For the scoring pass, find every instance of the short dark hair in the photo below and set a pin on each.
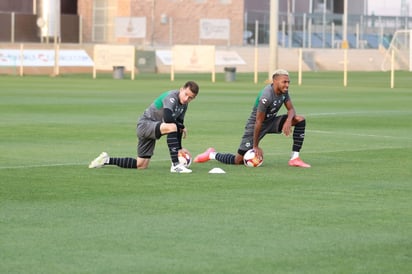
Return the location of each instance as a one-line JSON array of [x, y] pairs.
[[192, 86]]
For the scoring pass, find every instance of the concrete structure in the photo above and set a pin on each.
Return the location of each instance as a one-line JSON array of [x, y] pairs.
[[170, 22], [167, 21], [315, 60], [219, 22]]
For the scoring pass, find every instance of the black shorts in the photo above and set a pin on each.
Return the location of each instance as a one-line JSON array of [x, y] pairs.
[[148, 132], [274, 126]]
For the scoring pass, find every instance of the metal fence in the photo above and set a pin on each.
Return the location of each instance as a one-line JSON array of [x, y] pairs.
[[325, 30], [316, 30]]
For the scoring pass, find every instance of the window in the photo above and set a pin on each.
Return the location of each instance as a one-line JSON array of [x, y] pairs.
[[103, 17]]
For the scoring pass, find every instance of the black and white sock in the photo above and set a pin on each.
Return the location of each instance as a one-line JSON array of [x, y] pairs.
[[225, 158], [298, 135], [123, 162], [174, 146]]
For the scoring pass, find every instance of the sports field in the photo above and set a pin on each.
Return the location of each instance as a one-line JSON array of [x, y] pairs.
[[350, 213]]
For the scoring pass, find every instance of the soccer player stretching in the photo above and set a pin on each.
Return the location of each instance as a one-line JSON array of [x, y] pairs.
[[165, 116], [264, 120]]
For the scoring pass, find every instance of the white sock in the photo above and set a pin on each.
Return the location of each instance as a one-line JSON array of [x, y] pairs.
[[212, 155], [295, 155]]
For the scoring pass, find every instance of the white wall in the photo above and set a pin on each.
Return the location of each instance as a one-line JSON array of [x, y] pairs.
[[387, 7]]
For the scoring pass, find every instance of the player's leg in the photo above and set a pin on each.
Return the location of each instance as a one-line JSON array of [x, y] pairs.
[[145, 149], [208, 154], [174, 140], [146, 133], [100, 160], [104, 159], [245, 144], [142, 163], [299, 123], [228, 158], [225, 158], [124, 162]]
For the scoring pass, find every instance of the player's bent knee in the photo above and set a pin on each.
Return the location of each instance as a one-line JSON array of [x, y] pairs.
[[298, 119], [238, 159], [166, 128], [142, 163]]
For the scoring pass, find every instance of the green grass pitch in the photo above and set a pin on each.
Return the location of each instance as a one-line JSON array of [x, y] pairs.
[[350, 213]]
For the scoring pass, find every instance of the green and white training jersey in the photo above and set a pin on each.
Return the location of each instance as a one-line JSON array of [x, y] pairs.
[[169, 100], [269, 103]]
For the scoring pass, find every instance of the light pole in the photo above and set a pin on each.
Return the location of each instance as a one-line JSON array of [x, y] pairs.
[[345, 42], [273, 39]]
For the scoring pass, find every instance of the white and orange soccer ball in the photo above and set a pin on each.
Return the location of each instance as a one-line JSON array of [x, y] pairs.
[[251, 160], [185, 157]]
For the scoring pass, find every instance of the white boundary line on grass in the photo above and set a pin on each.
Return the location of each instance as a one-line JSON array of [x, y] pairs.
[[356, 113], [360, 134], [43, 165], [66, 164]]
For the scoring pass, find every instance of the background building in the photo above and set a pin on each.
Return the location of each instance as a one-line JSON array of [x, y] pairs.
[[162, 23]]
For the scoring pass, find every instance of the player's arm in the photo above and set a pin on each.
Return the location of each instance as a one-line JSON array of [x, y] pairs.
[[180, 123], [181, 126], [286, 129], [168, 118], [260, 117], [169, 104]]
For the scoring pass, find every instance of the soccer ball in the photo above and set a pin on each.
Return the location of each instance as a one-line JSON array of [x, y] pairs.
[[185, 157], [250, 159]]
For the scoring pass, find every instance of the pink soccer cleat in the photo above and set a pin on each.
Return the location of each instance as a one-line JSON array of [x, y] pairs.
[[298, 163], [204, 157]]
